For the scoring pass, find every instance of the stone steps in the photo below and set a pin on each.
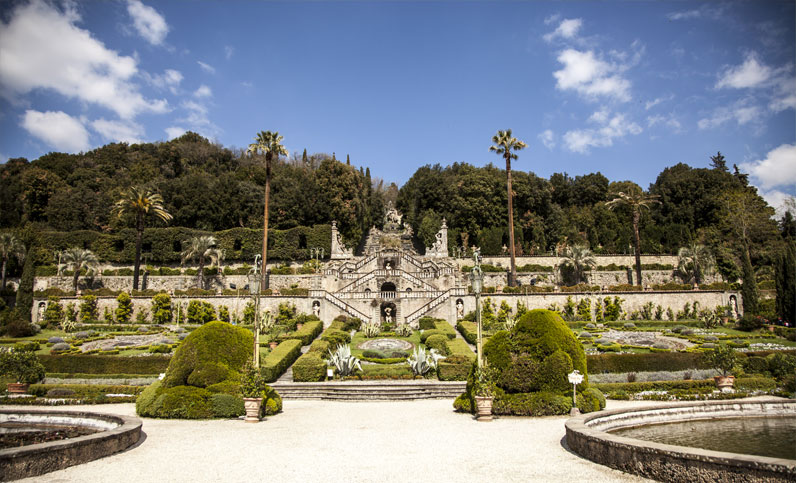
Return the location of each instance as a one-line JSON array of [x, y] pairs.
[[370, 391]]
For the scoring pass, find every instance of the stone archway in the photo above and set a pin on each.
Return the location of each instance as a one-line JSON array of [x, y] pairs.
[[388, 290]]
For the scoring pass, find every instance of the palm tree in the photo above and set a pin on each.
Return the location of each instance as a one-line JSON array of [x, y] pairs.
[[504, 145], [10, 246], [78, 259], [202, 247], [636, 200], [694, 262], [140, 203], [579, 259], [269, 144]]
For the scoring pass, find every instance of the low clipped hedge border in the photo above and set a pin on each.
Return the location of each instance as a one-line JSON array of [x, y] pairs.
[[469, 330], [310, 367], [308, 333], [92, 364], [279, 359], [85, 390], [741, 383], [656, 361]]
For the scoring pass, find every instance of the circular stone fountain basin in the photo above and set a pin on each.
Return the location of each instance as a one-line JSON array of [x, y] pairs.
[[108, 434], [591, 437], [385, 345]]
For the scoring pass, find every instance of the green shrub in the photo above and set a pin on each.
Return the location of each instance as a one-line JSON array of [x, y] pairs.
[[226, 406], [454, 368], [590, 399], [464, 404], [279, 359], [460, 347], [310, 367], [663, 361], [429, 333], [161, 309], [386, 372], [781, 365], [215, 342], [426, 323], [225, 387], [520, 375], [497, 350], [755, 383], [308, 333], [183, 402], [104, 364], [440, 343], [336, 337], [208, 373], [469, 330], [552, 374], [531, 404], [445, 328]]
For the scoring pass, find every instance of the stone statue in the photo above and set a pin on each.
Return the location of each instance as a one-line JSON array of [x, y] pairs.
[[459, 309], [388, 314], [316, 309], [440, 246], [339, 250]]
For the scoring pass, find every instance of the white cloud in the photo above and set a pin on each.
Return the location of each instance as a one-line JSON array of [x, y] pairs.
[[119, 131], [749, 74], [197, 120], [58, 129], [567, 29], [591, 77], [741, 113], [174, 132], [610, 127], [206, 67], [685, 15], [203, 91], [41, 48], [777, 199], [650, 104], [706, 11], [669, 121], [784, 93], [547, 138], [170, 79], [228, 51], [777, 169], [148, 22]]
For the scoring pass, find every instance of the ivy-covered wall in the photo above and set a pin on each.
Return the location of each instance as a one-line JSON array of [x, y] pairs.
[[163, 245]]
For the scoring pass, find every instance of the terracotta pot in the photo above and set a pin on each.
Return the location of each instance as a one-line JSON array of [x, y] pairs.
[[17, 388], [724, 383], [483, 406], [252, 405], [273, 345]]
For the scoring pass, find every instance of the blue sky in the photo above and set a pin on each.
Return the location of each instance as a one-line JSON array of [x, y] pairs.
[[624, 88]]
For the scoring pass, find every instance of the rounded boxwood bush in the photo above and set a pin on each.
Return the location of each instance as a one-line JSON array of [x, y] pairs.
[[585, 335], [213, 344], [440, 343], [60, 347], [590, 399], [183, 402], [226, 406], [336, 337], [429, 333]]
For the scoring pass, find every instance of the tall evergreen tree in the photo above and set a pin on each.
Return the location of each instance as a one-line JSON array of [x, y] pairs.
[[786, 283], [719, 163], [749, 288]]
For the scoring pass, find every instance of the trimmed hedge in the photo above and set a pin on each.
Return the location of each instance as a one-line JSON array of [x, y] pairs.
[[119, 246], [278, 360], [658, 361], [460, 347], [469, 331], [401, 371], [445, 328], [531, 404], [90, 364], [440, 343], [85, 390], [310, 367], [308, 333], [633, 387]]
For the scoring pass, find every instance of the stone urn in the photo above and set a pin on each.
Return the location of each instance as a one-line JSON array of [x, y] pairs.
[[17, 388], [272, 345], [483, 405], [724, 383], [252, 405]]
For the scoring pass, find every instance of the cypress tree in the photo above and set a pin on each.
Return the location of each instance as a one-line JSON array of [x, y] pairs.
[[786, 283], [749, 288], [304, 158]]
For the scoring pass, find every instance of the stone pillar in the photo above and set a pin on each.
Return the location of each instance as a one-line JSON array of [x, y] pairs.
[[339, 250]]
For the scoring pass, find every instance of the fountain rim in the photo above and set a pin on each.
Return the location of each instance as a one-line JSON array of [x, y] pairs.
[[40, 458], [598, 445]]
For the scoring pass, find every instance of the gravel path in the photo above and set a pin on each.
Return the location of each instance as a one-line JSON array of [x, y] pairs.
[[343, 441]]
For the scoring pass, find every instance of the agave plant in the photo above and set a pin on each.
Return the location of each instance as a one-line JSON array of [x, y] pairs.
[[403, 330], [343, 361], [371, 329], [422, 362]]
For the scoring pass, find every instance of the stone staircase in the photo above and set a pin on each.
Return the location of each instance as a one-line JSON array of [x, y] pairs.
[[370, 390]]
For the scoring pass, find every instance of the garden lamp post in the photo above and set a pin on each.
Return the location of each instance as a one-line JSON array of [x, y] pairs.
[[575, 378], [254, 288], [317, 254], [477, 279]]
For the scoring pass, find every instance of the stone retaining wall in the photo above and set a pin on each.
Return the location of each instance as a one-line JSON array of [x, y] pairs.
[[587, 436]]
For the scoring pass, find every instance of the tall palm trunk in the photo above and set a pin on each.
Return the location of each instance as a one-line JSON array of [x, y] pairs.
[[513, 273], [200, 275], [3, 283], [637, 242], [74, 279], [263, 277], [139, 232]]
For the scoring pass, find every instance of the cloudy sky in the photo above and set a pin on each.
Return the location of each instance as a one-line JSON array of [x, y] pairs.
[[624, 88]]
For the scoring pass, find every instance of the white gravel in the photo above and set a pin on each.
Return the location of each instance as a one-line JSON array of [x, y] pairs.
[[347, 441]]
